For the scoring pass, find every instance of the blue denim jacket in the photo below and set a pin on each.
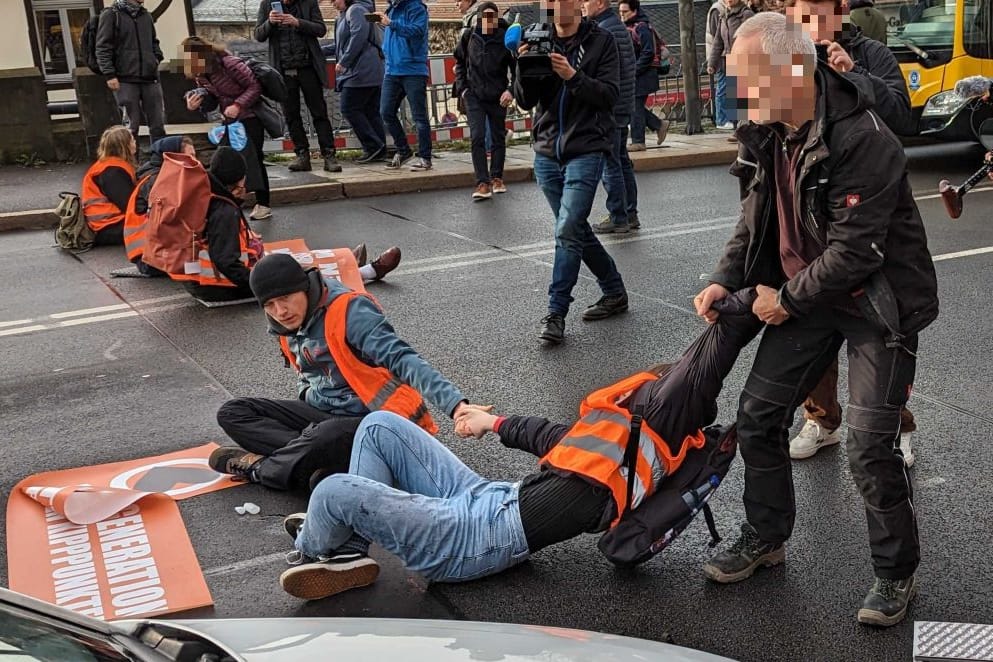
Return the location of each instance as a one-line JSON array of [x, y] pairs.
[[372, 338]]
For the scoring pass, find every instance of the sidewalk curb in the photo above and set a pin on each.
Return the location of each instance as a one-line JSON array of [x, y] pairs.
[[653, 160]]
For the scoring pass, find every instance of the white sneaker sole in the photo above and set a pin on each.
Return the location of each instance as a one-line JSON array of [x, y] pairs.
[[315, 581], [805, 452]]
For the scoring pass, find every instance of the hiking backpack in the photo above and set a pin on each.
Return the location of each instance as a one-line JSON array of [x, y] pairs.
[[646, 530], [660, 60], [177, 214], [88, 40], [73, 232], [273, 85]]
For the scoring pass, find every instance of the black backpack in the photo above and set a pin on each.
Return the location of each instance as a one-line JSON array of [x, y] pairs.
[[88, 40], [273, 85], [658, 520]]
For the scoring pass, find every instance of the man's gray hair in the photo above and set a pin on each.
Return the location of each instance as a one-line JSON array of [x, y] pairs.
[[777, 35]]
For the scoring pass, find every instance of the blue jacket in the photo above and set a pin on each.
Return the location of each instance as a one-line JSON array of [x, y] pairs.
[[646, 76], [609, 21], [406, 40], [356, 50], [372, 338]]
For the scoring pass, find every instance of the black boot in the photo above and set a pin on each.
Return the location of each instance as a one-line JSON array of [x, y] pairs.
[[301, 163], [331, 162], [740, 561], [552, 329], [887, 601]]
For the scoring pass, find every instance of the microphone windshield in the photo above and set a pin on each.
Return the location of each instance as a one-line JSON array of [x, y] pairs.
[[973, 86]]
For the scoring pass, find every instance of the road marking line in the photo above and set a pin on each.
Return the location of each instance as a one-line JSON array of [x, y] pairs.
[[88, 311], [244, 565], [973, 251], [98, 318], [23, 329], [15, 323]]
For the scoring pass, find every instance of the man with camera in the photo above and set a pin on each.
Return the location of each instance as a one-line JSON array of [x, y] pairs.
[[567, 72]]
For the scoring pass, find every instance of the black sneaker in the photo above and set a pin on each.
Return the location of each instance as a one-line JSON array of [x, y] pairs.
[[293, 523], [552, 329], [634, 222], [326, 577], [887, 601], [233, 460], [399, 159], [740, 561], [607, 306], [372, 156]]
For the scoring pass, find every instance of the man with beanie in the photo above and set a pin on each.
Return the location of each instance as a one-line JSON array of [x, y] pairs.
[[350, 363]]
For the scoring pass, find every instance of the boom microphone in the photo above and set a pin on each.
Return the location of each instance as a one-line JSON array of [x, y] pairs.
[[973, 86]]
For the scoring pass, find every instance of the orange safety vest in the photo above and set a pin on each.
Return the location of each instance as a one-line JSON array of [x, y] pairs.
[[376, 387], [98, 210], [209, 275], [134, 225], [594, 447]]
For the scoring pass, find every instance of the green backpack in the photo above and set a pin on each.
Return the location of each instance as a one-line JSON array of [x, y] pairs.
[[72, 233]]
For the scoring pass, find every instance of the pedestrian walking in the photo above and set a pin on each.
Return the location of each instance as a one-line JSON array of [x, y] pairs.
[[647, 71], [108, 185], [723, 21], [482, 81], [359, 75], [292, 34], [469, 9], [128, 54]]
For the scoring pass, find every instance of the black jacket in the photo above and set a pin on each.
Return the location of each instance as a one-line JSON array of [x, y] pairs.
[[225, 224], [127, 47], [875, 62], [646, 76], [609, 21], [575, 117], [483, 66], [312, 28], [855, 199]]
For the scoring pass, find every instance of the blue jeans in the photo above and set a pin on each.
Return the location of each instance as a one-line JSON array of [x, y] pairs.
[[720, 100], [618, 180], [569, 188], [408, 493], [641, 117], [414, 89]]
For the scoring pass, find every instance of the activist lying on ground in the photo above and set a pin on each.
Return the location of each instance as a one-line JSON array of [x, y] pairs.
[[408, 493]]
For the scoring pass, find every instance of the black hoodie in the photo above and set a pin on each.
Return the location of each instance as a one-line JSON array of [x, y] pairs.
[[877, 64], [483, 64], [225, 224]]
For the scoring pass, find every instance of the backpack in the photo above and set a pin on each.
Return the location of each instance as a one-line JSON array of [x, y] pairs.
[[88, 39], [177, 214], [73, 232], [646, 530], [273, 85], [660, 60]]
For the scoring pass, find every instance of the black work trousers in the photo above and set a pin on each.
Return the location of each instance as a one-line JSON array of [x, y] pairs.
[[483, 114], [305, 81], [790, 360], [295, 438]]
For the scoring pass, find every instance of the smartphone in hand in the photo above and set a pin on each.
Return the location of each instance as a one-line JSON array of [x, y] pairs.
[[276, 6], [373, 18]]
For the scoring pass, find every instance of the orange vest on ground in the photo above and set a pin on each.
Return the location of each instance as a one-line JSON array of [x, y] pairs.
[[134, 225], [594, 447], [98, 210], [376, 387]]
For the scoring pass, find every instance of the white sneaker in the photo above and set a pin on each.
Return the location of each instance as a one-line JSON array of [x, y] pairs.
[[811, 439], [261, 213], [727, 126], [906, 449]]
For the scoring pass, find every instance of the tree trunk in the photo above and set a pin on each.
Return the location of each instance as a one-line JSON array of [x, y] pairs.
[[691, 77]]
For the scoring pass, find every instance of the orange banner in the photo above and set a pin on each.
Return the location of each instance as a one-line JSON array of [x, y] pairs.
[[337, 263]]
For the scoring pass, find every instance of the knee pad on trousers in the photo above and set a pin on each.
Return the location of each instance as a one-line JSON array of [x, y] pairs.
[[882, 419]]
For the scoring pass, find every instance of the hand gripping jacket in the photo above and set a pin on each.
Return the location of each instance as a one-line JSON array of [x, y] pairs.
[[608, 441], [98, 210], [376, 386]]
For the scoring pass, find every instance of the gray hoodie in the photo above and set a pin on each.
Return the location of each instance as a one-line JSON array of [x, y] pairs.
[[357, 49]]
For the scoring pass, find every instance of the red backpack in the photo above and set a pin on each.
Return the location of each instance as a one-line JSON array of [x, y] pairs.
[[177, 214], [661, 59]]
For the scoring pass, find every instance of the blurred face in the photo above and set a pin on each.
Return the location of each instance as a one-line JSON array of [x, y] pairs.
[[821, 20], [770, 88], [563, 12], [194, 64], [490, 19], [288, 310], [624, 10]]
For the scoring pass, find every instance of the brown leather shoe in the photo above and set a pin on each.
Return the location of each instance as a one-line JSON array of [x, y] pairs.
[[482, 192], [498, 186], [235, 461], [387, 262]]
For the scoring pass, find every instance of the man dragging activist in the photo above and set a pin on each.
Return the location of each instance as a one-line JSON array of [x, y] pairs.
[[408, 493], [350, 363]]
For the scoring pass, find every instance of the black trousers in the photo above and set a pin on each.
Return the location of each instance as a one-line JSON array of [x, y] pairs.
[[790, 360], [480, 114], [307, 82], [257, 179], [296, 439], [112, 235]]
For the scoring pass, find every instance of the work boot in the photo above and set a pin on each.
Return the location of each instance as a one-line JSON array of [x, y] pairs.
[[607, 306], [740, 561], [322, 578], [887, 601], [552, 329], [331, 162], [301, 163], [235, 461], [607, 226], [812, 438], [634, 222], [386, 262], [637, 147], [361, 254], [293, 523]]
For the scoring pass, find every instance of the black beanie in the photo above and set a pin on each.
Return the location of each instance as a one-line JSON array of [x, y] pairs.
[[227, 165], [276, 275]]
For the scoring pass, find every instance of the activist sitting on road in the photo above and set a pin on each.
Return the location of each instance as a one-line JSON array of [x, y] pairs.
[[350, 362], [137, 210], [108, 185], [408, 493]]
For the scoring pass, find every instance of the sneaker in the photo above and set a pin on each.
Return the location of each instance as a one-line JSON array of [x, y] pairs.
[[421, 165], [301, 163], [662, 132], [637, 147], [906, 448], [740, 561], [727, 126], [386, 262], [369, 157], [607, 226], [326, 577], [482, 192], [607, 306], [260, 213], [361, 254], [633, 221], [887, 601], [552, 329], [498, 186], [331, 163], [293, 523], [233, 460], [811, 439], [399, 159]]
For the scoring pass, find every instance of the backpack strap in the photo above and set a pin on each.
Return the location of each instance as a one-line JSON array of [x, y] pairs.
[[708, 516], [637, 409]]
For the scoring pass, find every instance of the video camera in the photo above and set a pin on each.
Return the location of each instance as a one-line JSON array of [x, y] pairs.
[[535, 63]]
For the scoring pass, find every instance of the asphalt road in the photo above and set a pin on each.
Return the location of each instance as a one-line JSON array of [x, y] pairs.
[[146, 378]]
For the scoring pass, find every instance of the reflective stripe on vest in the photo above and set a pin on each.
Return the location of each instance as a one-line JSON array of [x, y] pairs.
[[98, 210], [134, 225]]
